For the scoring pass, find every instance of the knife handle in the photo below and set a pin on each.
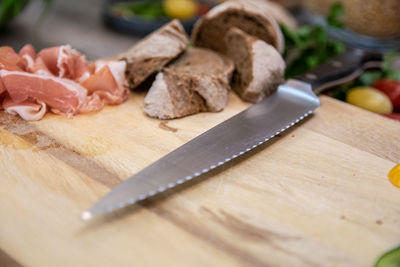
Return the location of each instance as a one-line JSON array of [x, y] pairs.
[[341, 69]]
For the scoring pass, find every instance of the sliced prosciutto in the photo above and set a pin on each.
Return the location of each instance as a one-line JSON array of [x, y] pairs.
[[28, 110], [7, 54], [108, 82], [65, 62], [28, 55], [63, 96], [57, 79], [2, 88]]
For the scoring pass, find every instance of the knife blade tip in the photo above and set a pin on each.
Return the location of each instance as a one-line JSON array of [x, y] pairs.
[[86, 216]]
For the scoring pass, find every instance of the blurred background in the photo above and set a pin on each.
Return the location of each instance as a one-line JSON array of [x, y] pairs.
[[105, 28], [75, 22]]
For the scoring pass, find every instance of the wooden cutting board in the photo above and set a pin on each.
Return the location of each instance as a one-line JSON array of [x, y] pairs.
[[317, 195]]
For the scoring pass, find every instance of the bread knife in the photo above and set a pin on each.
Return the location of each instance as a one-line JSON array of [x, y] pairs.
[[292, 102]]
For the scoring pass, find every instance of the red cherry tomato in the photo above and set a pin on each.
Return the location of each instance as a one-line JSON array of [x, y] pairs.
[[393, 116], [203, 9], [392, 89]]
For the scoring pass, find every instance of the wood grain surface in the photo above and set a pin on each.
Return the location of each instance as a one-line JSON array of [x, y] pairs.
[[317, 195]]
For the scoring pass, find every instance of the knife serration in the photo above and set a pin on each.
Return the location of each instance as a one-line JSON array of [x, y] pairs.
[[292, 102]]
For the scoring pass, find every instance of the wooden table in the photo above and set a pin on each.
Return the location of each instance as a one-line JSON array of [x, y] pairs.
[[317, 195]]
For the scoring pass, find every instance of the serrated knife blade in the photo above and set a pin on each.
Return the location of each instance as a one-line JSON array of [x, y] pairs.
[[293, 101]]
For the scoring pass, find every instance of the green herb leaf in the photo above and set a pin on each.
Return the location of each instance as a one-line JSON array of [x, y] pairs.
[[310, 45], [335, 15], [341, 93], [291, 37], [319, 34], [393, 74], [145, 9], [387, 68], [338, 47], [388, 59], [369, 77]]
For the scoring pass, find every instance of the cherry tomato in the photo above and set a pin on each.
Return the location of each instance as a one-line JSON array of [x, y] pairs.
[[394, 175], [203, 9], [180, 9], [392, 89], [370, 99], [393, 116]]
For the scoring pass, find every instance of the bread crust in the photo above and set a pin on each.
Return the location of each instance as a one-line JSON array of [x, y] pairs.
[[259, 67], [252, 16], [154, 52]]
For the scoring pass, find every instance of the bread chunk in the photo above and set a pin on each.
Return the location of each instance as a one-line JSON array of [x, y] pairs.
[[198, 81], [259, 67], [252, 16], [154, 52]]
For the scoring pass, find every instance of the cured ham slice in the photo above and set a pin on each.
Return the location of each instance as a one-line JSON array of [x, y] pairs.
[[65, 62], [28, 110], [5, 65], [39, 67], [27, 54], [28, 50], [2, 88], [62, 95], [8, 54], [10, 60], [107, 82], [57, 79]]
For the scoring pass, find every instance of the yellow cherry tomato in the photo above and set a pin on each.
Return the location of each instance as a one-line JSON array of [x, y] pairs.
[[394, 176], [180, 9], [370, 99]]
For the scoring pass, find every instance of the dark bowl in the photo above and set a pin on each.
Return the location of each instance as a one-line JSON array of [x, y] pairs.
[[137, 25]]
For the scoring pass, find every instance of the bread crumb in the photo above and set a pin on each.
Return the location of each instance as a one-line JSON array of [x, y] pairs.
[[164, 125]]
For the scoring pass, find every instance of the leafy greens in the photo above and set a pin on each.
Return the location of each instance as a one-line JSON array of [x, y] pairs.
[[309, 45]]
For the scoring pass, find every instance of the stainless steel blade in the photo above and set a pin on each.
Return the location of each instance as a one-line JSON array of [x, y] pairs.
[[291, 103]]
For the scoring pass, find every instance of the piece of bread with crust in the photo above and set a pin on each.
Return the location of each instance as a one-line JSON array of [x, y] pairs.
[[259, 67], [280, 14], [198, 81], [154, 52], [252, 16]]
